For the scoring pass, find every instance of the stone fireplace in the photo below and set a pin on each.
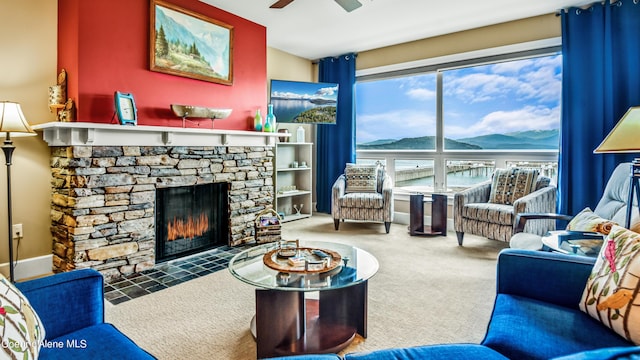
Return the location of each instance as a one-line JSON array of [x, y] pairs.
[[105, 180]]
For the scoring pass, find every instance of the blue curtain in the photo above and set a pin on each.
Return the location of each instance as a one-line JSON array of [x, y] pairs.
[[601, 80], [336, 143]]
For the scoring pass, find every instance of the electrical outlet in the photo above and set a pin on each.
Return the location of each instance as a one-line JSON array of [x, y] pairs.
[[17, 231]]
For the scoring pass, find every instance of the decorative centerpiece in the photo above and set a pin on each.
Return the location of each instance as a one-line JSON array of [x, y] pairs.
[[289, 257], [199, 112]]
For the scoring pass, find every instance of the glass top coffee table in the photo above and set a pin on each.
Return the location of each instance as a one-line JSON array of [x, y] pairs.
[[306, 309]]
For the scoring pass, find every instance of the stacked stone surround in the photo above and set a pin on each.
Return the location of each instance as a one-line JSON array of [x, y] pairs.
[[103, 198]]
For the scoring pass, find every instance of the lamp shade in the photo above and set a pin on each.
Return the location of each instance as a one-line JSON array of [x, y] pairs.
[[624, 136], [12, 120]]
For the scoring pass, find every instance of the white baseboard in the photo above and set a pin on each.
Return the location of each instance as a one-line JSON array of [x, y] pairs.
[[29, 268]]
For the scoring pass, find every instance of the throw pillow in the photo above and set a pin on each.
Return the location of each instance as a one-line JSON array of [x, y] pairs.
[[361, 178], [586, 220], [20, 327], [510, 185], [611, 293]]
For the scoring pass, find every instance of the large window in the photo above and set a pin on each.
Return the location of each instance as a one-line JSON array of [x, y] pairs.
[[447, 127], [504, 106], [397, 113]]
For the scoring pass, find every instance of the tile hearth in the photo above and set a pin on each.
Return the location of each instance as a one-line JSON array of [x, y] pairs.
[[168, 274]]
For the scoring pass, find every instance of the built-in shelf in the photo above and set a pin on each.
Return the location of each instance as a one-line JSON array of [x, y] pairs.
[[97, 134], [288, 176], [293, 193]]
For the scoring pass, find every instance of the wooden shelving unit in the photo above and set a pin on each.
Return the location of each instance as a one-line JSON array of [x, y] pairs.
[[293, 184]]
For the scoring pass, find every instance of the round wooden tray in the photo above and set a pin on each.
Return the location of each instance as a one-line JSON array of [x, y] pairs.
[[272, 260]]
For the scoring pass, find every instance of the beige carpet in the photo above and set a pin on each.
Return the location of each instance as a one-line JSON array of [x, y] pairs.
[[428, 290]]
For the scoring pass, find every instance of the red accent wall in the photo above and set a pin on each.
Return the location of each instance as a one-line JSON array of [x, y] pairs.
[[104, 46]]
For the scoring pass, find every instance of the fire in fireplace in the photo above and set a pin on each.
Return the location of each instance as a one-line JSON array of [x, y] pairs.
[[191, 219]]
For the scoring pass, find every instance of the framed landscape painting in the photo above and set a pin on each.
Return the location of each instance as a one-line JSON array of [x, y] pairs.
[[188, 44]]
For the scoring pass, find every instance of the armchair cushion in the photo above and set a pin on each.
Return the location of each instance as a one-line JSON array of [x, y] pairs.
[[586, 220], [362, 200], [611, 293], [361, 178], [509, 185], [22, 332], [489, 213]]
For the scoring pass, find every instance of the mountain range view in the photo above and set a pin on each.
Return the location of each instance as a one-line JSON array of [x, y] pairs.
[[533, 139]]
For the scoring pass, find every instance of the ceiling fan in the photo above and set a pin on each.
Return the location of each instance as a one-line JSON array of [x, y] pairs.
[[348, 5]]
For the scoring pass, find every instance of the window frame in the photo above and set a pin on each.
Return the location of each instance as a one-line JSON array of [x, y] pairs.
[[440, 156]]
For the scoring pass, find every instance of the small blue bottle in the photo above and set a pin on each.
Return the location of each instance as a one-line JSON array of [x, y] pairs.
[[270, 122]]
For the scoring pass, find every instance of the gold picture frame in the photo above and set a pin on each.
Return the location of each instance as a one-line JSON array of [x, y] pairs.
[[188, 44]]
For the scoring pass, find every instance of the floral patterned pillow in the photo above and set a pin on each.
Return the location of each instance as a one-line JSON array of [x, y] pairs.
[[20, 327], [611, 293], [586, 220]]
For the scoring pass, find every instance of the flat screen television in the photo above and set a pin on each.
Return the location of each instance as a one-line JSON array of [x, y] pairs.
[[304, 102]]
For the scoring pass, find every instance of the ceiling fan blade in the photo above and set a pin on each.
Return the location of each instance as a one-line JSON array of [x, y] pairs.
[[280, 4], [349, 5]]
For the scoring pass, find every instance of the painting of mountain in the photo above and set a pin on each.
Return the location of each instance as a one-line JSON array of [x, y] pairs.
[[188, 44]]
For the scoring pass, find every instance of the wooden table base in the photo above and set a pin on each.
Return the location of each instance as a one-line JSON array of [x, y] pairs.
[[288, 324], [438, 215]]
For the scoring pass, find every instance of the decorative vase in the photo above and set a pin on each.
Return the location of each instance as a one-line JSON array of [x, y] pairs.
[[257, 121], [270, 123], [283, 138], [300, 134]]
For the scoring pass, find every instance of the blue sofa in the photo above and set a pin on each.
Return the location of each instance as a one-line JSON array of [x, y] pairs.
[[535, 316], [71, 308]]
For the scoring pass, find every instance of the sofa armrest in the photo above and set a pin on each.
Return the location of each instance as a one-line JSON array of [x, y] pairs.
[[387, 195], [476, 194], [546, 276], [522, 218], [339, 186], [337, 191], [540, 201], [66, 302]]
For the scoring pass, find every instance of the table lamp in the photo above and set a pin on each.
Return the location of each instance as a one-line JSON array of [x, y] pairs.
[[624, 139], [12, 123]]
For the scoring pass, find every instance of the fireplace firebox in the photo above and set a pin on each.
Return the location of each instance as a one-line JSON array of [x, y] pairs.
[[191, 219]]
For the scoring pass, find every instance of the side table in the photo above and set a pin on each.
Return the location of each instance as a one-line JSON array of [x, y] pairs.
[[573, 242], [438, 215]]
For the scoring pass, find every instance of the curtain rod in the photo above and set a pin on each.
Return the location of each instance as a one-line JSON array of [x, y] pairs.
[[586, 7]]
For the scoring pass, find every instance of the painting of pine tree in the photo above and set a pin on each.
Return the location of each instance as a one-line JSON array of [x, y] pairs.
[[189, 44]]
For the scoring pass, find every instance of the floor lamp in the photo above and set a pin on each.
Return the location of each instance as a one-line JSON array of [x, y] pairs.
[[624, 139], [12, 123]]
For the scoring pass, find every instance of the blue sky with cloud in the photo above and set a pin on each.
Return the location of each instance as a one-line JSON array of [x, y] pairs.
[[497, 98]]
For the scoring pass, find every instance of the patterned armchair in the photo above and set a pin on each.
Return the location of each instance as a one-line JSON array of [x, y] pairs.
[[356, 202], [474, 213]]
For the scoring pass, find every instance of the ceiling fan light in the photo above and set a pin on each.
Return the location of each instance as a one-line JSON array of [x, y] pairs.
[[349, 5]]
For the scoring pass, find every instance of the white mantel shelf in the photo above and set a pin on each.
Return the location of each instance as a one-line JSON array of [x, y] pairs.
[[95, 134]]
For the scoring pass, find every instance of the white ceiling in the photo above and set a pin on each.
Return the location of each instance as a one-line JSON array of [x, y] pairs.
[[314, 29]]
